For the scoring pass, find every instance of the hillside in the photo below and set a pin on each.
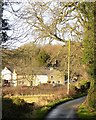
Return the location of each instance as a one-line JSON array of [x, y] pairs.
[[33, 59]]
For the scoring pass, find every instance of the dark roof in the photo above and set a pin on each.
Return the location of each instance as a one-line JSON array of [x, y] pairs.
[[10, 68], [36, 71]]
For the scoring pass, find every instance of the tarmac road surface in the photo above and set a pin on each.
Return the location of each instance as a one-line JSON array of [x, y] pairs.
[[65, 110]]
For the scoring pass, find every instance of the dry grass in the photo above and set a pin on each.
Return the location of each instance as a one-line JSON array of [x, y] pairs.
[[41, 95]]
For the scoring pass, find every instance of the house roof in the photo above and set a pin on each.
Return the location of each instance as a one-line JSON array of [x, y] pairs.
[[9, 68], [5, 71], [35, 71]]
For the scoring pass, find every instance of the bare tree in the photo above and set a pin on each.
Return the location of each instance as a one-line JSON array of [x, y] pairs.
[[48, 21], [52, 20], [45, 21]]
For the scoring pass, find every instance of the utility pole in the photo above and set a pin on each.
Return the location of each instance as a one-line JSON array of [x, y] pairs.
[[68, 83]]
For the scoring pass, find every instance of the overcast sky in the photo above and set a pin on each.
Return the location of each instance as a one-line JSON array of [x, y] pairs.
[[16, 23]]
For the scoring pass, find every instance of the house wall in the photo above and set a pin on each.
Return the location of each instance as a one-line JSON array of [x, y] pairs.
[[9, 77], [53, 76], [40, 79], [56, 77], [34, 81], [14, 78], [6, 74], [22, 80]]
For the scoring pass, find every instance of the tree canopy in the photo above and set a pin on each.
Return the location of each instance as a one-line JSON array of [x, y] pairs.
[[46, 21], [60, 21]]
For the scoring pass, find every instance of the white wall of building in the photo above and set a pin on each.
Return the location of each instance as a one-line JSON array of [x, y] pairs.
[[14, 78], [6, 74], [42, 78]]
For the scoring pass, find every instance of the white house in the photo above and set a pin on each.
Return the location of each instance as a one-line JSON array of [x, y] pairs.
[[6, 74], [8, 77], [40, 79], [51, 76]]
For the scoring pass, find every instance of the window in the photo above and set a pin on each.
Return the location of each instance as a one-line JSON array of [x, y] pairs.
[[58, 82], [53, 82], [51, 76], [49, 82], [20, 82]]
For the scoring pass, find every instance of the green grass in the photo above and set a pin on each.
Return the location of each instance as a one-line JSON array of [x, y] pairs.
[[43, 111], [85, 114], [78, 95], [16, 107]]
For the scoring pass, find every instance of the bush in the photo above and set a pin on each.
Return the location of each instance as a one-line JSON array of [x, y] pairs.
[[19, 102], [16, 108], [87, 85], [92, 98], [83, 88]]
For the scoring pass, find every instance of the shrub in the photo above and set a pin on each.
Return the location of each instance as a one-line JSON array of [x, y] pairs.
[[16, 108], [19, 102], [92, 98], [83, 88]]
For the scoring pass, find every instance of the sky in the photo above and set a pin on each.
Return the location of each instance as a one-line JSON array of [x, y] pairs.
[[15, 26], [15, 23]]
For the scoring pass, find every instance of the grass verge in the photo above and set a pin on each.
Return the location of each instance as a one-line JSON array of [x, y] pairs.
[[43, 111], [18, 108], [85, 113]]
